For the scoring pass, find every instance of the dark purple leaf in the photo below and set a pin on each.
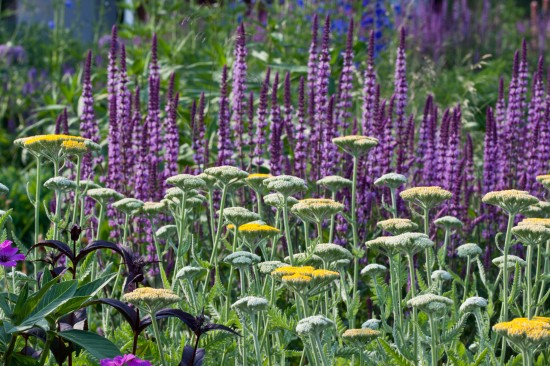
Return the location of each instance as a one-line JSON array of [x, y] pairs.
[[95, 245], [55, 244], [208, 327], [187, 355], [126, 311], [75, 320]]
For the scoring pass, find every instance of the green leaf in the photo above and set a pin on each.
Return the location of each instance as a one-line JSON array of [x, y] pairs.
[[33, 300], [397, 358], [96, 345], [58, 294], [93, 287]]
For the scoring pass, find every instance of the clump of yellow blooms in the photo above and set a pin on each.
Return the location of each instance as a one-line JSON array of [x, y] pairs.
[[299, 278], [152, 298], [363, 335], [74, 147], [49, 146], [290, 270], [525, 333], [535, 221], [256, 181], [325, 274], [257, 228]]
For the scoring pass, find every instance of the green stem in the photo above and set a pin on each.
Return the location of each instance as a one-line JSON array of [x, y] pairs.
[[393, 193], [213, 257], [415, 317], [287, 231], [46, 351], [505, 279], [257, 347], [355, 235], [332, 221], [259, 202], [163, 276], [467, 279], [37, 200], [11, 347], [157, 336], [427, 250], [77, 189], [324, 361], [528, 279], [99, 220], [434, 350]]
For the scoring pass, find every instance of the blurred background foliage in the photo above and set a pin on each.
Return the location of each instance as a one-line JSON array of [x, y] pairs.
[[457, 51]]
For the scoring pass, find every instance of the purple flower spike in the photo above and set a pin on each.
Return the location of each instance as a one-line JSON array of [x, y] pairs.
[[300, 156], [328, 149], [257, 158], [124, 118], [8, 255], [345, 102], [312, 71], [113, 156], [88, 125], [288, 112], [275, 146], [239, 89], [172, 139], [250, 117], [400, 91], [368, 91], [225, 148]]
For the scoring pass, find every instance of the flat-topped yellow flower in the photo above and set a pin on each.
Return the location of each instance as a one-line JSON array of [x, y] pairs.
[[49, 146], [254, 230], [426, 197], [291, 270], [525, 333], [535, 221], [363, 335], [512, 201], [296, 280], [542, 177], [325, 275], [74, 147], [531, 234], [151, 299], [256, 182]]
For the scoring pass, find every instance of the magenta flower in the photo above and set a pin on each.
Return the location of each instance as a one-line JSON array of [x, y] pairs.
[[126, 360], [8, 255]]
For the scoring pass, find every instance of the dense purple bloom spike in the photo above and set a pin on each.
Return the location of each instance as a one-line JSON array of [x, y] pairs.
[[425, 143], [368, 90], [172, 139], [58, 123], [114, 166], [250, 118], [257, 158], [200, 141], [328, 149], [141, 150], [523, 76], [88, 125], [442, 143], [225, 148], [490, 154], [451, 177], [321, 101], [238, 99], [300, 157], [124, 120], [345, 102], [288, 112], [276, 128], [312, 71], [153, 126], [400, 91], [389, 143]]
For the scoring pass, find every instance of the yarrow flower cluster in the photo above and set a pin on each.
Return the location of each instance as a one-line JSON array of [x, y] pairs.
[[391, 180], [152, 299], [512, 201], [426, 197], [313, 325], [251, 304], [397, 226], [430, 303], [473, 303], [316, 209], [525, 333], [355, 145], [468, 250], [287, 185]]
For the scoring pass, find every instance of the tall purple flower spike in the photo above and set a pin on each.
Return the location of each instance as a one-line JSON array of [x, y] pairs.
[[257, 157], [88, 125], [114, 166], [367, 118], [275, 145], [141, 149], [124, 120], [328, 149], [251, 130], [312, 71], [451, 179], [425, 143], [172, 139], [136, 139], [321, 101], [300, 156], [225, 148], [200, 142], [441, 147], [238, 99], [288, 112], [400, 91], [345, 101], [153, 126]]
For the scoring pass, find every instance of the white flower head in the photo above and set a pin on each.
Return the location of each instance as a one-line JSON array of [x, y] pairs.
[[374, 269], [512, 201], [531, 234], [313, 325], [239, 215], [372, 324], [332, 252], [287, 185], [426, 197], [397, 226], [411, 243], [512, 260], [242, 259], [226, 174], [167, 232], [153, 208], [449, 222], [468, 250], [186, 182], [4, 189], [441, 275], [103, 195], [190, 272], [128, 205], [210, 181], [391, 180], [316, 209], [473, 303], [250, 304], [305, 259], [430, 303], [277, 200], [355, 145], [60, 184], [334, 183]]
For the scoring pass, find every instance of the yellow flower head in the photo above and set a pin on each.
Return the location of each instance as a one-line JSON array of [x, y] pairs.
[[426, 197], [74, 147], [257, 228], [151, 298], [49, 146], [536, 221], [325, 275], [316, 209], [296, 280], [291, 270], [256, 182], [363, 335], [524, 332]]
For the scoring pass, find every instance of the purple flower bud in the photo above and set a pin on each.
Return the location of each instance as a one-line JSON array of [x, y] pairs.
[[238, 91], [257, 157], [225, 148], [300, 155], [275, 146]]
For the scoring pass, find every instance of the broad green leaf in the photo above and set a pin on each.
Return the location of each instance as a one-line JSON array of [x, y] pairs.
[[96, 345], [93, 287], [33, 300]]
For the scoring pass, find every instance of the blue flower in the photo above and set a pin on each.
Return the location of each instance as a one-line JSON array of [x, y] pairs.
[[51, 24]]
